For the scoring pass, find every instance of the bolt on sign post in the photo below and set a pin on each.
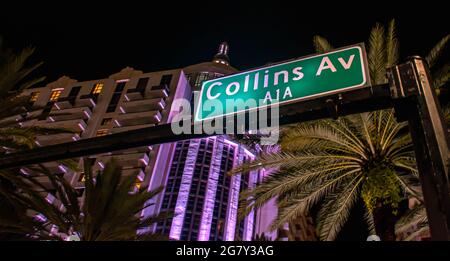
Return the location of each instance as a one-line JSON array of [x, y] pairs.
[[300, 79]]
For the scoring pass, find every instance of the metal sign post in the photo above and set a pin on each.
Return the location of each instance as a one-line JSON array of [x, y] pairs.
[[417, 103]]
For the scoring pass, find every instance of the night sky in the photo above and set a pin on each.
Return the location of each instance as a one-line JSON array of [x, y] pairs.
[[93, 41]]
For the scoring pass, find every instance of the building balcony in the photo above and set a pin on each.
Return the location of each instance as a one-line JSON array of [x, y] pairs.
[[143, 105], [22, 120], [75, 125], [44, 181], [65, 102], [118, 129], [128, 160], [46, 140], [11, 120], [158, 91], [54, 168], [138, 118], [84, 113], [130, 171], [88, 100], [30, 123]]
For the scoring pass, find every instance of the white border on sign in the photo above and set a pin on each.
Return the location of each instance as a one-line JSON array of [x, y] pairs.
[[363, 67]]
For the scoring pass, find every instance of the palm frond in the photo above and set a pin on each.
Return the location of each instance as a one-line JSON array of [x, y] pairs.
[[306, 197], [66, 194], [321, 44], [377, 55], [392, 45], [410, 187], [111, 210], [441, 76], [269, 160], [13, 106], [333, 216], [436, 51], [20, 136], [417, 233], [278, 183], [13, 72], [322, 136], [104, 221], [416, 217]]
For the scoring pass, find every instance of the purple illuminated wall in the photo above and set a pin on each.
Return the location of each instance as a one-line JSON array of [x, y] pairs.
[[186, 181], [208, 207], [248, 227], [233, 201], [188, 194]]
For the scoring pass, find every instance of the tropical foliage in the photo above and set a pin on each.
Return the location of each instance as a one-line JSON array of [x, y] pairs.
[[110, 209], [15, 108], [46, 206], [441, 75], [13, 81], [332, 164]]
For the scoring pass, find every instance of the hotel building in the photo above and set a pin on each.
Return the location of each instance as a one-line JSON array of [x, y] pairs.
[[193, 172]]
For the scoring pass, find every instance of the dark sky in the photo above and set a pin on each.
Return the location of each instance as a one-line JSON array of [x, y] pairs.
[[93, 41]]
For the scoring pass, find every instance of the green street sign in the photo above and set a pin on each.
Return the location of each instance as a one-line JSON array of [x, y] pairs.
[[287, 82]]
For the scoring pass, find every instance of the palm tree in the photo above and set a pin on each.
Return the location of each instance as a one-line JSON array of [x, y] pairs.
[[332, 164], [13, 80], [110, 210]]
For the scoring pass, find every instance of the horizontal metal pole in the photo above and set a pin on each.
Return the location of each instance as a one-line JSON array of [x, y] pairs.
[[362, 100]]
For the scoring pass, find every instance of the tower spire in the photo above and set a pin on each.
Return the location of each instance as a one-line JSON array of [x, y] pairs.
[[222, 54]]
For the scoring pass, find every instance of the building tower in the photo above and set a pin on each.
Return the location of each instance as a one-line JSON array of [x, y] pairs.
[[198, 186], [222, 54]]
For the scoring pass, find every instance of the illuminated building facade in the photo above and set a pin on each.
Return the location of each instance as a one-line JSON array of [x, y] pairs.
[[205, 197], [124, 101], [194, 172], [198, 189]]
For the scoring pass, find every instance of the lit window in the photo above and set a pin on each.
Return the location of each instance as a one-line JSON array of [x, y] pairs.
[[138, 184], [34, 96], [102, 132], [55, 95], [81, 178], [97, 88], [106, 121]]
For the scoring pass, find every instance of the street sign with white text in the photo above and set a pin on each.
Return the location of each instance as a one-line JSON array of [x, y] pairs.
[[296, 80]]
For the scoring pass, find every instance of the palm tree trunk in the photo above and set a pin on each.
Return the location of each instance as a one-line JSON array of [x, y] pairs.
[[384, 220]]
